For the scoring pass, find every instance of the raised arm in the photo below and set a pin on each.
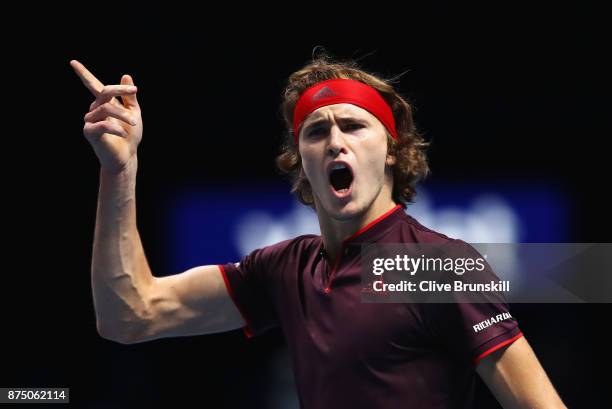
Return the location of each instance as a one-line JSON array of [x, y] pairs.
[[516, 378], [131, 304]]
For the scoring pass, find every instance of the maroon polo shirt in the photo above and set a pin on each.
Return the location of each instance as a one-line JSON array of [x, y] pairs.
[[351, 354]]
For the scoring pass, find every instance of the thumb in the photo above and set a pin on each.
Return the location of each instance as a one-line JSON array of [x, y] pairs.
[[129, 101]]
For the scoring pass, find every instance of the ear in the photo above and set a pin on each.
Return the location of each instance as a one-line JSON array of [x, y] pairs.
[[391, 160]]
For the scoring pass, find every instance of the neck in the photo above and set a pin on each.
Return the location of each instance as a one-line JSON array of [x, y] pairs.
[[335, 231]]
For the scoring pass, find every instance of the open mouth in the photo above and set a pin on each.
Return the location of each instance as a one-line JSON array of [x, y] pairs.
[[340, 178]]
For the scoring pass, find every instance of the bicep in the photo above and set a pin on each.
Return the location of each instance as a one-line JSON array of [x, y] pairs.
[[194, 302], [516, 378]]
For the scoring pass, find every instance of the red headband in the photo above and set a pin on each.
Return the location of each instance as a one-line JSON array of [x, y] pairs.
[[338, 91]]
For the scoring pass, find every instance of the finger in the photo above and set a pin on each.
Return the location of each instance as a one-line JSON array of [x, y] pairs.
[[89, 80], [109, 92], [96, 130], [108, 109], [98, 102], [129, 100]]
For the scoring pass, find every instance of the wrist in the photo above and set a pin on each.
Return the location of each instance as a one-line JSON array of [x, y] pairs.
[[127, 170]]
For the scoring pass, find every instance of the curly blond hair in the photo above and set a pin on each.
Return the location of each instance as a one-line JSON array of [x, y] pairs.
[[409, 148]]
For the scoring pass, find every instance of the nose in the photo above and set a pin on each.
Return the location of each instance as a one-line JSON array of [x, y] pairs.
[[336, 144]]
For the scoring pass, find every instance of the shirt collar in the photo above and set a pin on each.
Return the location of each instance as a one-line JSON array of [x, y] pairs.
[[373, 230], [376, 227]]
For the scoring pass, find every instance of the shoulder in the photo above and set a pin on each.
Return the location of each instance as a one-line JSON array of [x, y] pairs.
[[417, 233], [277, 257], [288, 250], [413, 231]]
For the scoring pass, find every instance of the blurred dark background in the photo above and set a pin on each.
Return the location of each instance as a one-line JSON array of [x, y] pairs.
[[509, 96]]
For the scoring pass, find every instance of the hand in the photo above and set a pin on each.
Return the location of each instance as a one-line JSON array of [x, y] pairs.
[[113, 128]]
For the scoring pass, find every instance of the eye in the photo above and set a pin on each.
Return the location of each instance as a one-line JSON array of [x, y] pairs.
[[315, 131], [354, 125]]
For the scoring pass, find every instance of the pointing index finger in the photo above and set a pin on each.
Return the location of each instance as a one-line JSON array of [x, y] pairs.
[[89, 80]]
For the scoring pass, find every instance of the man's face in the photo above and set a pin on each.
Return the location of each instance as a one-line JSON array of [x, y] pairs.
[[344, 154]]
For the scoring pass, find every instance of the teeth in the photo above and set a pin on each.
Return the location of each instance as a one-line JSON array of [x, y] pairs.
[[338, 166]]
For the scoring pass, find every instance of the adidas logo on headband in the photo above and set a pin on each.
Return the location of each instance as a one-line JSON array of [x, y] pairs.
[[324, 92]]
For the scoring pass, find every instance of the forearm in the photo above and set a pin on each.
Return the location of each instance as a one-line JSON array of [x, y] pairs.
[[538, 393], [120, 272], [518, 381]]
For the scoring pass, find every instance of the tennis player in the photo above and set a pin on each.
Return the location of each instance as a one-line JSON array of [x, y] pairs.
[[354, 155]]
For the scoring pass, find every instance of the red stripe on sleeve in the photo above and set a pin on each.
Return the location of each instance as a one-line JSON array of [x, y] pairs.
[[496, 347], [247, 328]]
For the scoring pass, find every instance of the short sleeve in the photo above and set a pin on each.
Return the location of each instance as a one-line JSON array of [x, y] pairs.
[[472, 330], [253, 284]]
